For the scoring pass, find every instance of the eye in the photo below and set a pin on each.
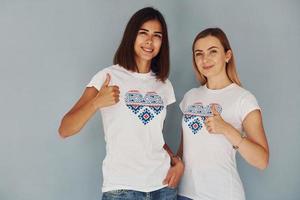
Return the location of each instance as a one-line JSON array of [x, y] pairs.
[[198, 54], [213, 51], [158, 36], [142, 33]]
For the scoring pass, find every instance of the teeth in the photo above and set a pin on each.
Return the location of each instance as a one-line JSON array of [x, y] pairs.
[[146, 49]]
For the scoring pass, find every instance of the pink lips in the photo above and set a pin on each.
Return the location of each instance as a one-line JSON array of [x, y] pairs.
[[148, 50], [207, 67]]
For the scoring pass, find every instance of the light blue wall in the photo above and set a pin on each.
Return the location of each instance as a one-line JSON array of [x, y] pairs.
[[49, 50]]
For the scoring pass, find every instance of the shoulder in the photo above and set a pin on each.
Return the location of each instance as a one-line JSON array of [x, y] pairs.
[[164, 85], [110, 69], [103, 70], [191, 94], [193, 91], [167, 82], [241, 92], [245, 100], [188, 97], [246, 103]]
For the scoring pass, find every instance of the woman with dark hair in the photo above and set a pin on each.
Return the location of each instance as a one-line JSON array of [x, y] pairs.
[[219, 119], [132, 96]]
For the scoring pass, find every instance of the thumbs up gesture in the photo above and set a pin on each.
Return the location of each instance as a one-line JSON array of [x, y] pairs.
[[215, 123], [107, 95]]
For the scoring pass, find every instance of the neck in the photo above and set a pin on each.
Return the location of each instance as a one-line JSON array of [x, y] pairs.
[[216, 83], [143, 66]]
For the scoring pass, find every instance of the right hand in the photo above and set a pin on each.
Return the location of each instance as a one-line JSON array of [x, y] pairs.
[[107, 95], [174, 174]]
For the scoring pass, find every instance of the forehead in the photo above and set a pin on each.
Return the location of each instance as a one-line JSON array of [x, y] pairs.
[[152, 25], [207, 42]]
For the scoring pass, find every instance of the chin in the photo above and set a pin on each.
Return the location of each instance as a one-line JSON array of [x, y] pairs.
[[205, 73], [147, 57]]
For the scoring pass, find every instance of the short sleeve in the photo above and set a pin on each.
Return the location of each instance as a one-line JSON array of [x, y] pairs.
[[170, 95], [248, 103], [182, 104], [97, 80]]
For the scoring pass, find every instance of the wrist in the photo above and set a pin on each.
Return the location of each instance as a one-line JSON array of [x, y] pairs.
[[95, 104], [228, 129], [237, 146], [175, 159]]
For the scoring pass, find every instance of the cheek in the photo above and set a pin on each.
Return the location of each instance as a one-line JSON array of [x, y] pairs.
[[157, 45], [137, 41], [198, 62], [158, 42], [220, 59], [135, 46], [199, 67]]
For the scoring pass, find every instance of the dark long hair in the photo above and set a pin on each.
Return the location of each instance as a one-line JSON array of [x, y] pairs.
[[125, 55], [230, 66]]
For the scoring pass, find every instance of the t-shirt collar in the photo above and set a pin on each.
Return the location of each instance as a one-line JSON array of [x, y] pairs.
[[147, 75]]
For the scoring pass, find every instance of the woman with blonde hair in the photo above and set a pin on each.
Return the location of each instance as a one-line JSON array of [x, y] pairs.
[[219, 119]]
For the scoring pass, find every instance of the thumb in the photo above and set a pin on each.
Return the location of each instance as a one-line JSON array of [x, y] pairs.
[[167, 179], [107, 80], [214, 110]]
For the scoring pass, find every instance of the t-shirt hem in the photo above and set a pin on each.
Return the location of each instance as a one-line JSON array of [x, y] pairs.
[[250, 110], [90, 86], [123, 187]]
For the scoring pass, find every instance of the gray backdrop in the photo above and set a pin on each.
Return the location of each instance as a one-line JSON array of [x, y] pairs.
[[49, 50]]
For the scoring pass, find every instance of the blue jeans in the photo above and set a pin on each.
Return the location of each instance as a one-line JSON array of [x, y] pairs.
[[182, 198], [161, 194]]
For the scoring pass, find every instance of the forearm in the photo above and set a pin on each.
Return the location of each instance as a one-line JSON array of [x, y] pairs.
[[180, 148], [174, 158], [73, 122], [253, 153], [168, 150]]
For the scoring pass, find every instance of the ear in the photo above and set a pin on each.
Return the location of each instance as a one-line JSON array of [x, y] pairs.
[[228, 55]]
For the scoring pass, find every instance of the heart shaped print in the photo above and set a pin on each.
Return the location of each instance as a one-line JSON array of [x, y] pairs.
[[146, 108], [195, 115]]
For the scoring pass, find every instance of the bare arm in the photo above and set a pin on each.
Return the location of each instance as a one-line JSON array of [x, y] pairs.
[[176, 170], [180, 148], [81, 112], [254, 149], [168, 150], [90, 101]]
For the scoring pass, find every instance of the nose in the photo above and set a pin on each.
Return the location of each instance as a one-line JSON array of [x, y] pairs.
[[205, 59], [149, 40]]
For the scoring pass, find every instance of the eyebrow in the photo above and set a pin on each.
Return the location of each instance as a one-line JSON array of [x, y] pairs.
[[148, 31], [212, 47]]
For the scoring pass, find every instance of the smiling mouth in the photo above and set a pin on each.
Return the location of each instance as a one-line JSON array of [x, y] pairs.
[[207, 67], [148, 50]]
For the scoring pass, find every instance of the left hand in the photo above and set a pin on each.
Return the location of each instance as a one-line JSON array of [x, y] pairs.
[[174, 174], [215, 123]]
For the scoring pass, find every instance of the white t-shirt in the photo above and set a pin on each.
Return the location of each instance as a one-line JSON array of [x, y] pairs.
[[135, 158], [210, 164]]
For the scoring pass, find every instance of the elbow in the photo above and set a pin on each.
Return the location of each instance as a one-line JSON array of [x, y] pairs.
[[62, 133], [65, 131], [264, 163]]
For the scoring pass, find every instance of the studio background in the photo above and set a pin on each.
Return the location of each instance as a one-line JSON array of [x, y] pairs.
[[50, 49]]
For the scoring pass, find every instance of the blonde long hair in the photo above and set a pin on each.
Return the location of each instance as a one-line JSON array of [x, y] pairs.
[[230, 65]]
